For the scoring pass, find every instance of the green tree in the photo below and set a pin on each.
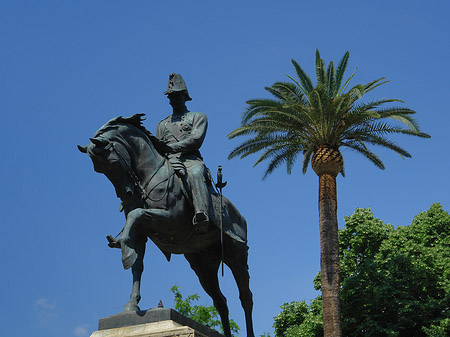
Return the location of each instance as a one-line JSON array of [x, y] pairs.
[[297, 319], [207, 316], [317, 121], [395, 282], [359, 242], [398, 279], [439, 330]]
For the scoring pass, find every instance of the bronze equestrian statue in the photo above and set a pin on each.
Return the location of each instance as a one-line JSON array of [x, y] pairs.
[[168, 196]]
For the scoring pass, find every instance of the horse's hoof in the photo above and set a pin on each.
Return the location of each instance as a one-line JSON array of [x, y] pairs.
[[131, 307], [129, 258]]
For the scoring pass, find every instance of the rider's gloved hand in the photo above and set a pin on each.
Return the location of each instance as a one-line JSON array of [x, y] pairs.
[[174, 148], [177, 165]]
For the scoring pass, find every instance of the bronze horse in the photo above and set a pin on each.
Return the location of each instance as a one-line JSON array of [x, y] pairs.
[[157, 205]]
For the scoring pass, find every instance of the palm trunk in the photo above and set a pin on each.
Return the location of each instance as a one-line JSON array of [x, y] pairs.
[[329, 256]]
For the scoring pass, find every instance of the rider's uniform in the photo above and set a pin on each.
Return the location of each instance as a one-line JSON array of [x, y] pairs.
[[185, 133]]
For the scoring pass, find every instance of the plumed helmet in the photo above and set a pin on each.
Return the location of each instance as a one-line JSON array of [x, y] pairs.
[[176, 83]]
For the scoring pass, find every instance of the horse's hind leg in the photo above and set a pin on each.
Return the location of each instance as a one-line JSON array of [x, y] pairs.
[[206, 266], [236, 258]]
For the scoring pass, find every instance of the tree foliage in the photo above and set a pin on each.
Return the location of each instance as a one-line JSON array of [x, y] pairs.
[[297, 319], [395, 281], [302, 118], [399, 279], [207, 316]]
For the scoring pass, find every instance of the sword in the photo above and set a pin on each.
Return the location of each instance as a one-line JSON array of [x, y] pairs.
[[219, 185]]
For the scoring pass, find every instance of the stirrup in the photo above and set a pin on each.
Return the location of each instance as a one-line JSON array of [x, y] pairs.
[[201, 222], [112, 242]]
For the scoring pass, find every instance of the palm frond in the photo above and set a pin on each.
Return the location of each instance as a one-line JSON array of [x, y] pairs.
[[278, 159], [374, 84], [291, 92], [306, 159], [290, 161], [331, 76], [275, 92], [381, 141], [366, 153], [290, 151], [256, 144], [256, 127], [320, 69], [343, 170], [362, 108], [304, 79], [296, 121], [356, 92], [341, 70], [257, 106], [347, 82], [402, 115]]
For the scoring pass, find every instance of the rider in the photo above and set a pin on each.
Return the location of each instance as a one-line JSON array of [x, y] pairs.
[[183, 132]]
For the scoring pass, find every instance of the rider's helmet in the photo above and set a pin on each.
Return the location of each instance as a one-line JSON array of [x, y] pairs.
[[176, 83]]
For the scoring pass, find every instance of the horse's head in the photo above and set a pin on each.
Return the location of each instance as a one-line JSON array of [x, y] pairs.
[[113, 160], [123, 150]]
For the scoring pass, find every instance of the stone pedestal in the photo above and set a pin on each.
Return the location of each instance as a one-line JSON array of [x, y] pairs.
[[158, 322]]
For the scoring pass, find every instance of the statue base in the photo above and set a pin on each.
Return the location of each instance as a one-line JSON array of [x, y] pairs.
[[158, 322]]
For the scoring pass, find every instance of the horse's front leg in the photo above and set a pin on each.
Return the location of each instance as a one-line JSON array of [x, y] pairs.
[[137, 269], [132, 230], [128, 239], [132, 243]]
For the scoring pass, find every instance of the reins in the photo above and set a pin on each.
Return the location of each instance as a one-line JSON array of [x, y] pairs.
[[136, 180]]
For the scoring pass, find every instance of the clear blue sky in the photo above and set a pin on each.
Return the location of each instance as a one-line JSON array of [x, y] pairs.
[[66, 67]]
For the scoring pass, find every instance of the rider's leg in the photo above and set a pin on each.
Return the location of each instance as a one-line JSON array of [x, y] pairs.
[[201, 198]]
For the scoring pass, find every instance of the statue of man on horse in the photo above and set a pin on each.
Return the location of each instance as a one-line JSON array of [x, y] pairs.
[[167, 196]]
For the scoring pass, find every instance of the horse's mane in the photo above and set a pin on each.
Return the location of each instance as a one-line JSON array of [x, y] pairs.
[[136, 121]]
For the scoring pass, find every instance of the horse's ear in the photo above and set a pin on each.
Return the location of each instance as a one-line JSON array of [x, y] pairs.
[[82, 149], [98, 141]]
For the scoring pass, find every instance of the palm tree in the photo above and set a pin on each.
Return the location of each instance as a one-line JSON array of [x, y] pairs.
[[317, 121]]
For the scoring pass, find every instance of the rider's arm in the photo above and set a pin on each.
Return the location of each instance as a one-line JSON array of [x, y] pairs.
[[159, 129], [157, 140]]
